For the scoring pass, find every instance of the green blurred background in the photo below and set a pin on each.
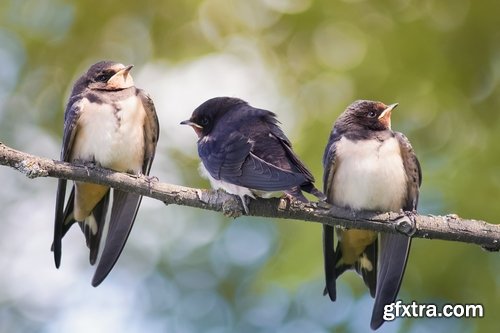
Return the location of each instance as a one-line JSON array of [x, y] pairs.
[[187, 270]]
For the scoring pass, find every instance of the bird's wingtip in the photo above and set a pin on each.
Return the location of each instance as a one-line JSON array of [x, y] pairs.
[[96, 281], [376, 323]]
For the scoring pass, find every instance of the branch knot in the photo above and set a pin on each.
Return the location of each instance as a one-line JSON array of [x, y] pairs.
[[31, 168]]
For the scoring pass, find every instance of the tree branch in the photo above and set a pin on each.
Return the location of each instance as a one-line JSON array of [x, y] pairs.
[[449, 227]]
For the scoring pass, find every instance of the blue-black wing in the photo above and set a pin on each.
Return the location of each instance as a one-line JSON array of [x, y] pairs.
[[329, 167], [291, 160], [232, 160], [63, 217]]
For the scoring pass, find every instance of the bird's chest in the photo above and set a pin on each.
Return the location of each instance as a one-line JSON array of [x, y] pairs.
[[369, 175], [112, 134]]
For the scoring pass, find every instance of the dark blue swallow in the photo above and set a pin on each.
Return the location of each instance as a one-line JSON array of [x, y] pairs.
[[109, 122], [244, 151], [367, 166]]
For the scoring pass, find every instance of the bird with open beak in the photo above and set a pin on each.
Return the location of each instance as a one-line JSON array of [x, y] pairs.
[[367, 166], [244, 151], [111, 123]]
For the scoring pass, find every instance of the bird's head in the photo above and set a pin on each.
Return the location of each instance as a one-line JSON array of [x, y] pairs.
[[205, 116], [108, 75], [369, 115]]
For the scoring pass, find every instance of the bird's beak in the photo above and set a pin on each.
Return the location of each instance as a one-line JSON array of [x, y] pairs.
[[190, 123], [122, 79], [125, 70], [197, 128], [385, 116], [387, 111]]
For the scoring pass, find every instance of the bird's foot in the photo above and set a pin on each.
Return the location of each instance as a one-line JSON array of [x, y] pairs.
[[406, 223], [232, 208], [295, 195], [322, 204], [88, 165], [291, 200], [150, 180]]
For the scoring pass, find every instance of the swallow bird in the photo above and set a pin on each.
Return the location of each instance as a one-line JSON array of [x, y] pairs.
[[244, 151], [110, 123], [367, 166]]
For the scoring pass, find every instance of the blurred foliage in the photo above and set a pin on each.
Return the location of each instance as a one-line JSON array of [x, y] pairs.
[[191, 271]]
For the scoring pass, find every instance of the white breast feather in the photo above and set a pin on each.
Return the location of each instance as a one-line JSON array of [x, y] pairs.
[[116, 141], [369, 175]]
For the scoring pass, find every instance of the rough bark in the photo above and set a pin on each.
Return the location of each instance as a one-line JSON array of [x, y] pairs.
[[448, 227]]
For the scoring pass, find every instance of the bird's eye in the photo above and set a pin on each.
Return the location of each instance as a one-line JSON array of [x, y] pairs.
[[104, 77], [371, 114], [204, 121]]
